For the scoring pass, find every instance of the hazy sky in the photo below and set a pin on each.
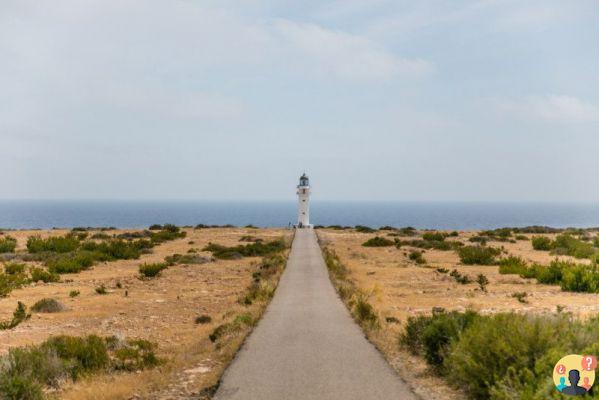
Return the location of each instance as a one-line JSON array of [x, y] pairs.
[[375, 99]]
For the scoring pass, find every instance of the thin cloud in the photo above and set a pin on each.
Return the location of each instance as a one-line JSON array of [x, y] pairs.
[[552, 108]]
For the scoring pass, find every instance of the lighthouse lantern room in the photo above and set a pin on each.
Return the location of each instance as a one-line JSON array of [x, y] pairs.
[[303, 196]]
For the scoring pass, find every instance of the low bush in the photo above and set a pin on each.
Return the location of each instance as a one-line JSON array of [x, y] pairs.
[[522, 237], [364, 229], [459, 278], [7, 244], [580, 278], [430, 244], [378, 241], [513, 265], [541, 243], [47, 305], [434, 236], [417, 257], [152, 270], [569, 245], [520, 296], [203, 319], [432, 335], [190, 258], [101, 290], [479, 255], [503, 356], [363, 311], [14, 268], [74, 293], [240, 321], [25, 372], [482, 281], [10, 282], [39, 274], [56, 244]]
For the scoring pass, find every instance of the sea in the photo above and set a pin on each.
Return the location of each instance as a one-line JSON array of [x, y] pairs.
[[46, 214]]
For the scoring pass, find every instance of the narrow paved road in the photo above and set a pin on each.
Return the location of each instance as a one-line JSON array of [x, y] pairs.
[[307, 346]]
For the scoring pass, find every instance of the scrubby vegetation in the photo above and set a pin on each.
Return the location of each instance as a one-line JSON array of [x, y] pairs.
[[504, 356], [570, 276], [417, 257], [26, 372], [47, 305], [364, 229], [357, 301], [478, 255], [13, 268], [39, 274], [378, 241], [233, 327], [72, 254], [152, 270], [10, 282], [186, 259], [256, 249], [460, 278], [263, 285], [566, 244], [7, 244], [431, 240]]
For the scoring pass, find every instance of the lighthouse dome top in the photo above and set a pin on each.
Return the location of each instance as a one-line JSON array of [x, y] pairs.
[[304, 181]]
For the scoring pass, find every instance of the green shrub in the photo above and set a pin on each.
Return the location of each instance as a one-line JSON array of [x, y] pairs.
[[71, 263], [482, 281], [364, 229], [10, 282], [580, 278], [378, 241], [135, 355], [479, 239], [7, 244], [27, 370], [566, 244], [56, 244], [541, 243], [493, 346], [47, 305], [152, 270], [417, 257], [186, 259], [74, 293], [364, 312], [101, 290], [14, 268], [520, 296], [522, 237], [513, 265], [203, 319], [434, 236], [39, 274], [479, 255], [459, 278], [236, 325]]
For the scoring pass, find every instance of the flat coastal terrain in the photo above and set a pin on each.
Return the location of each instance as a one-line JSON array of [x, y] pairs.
[[163, 309]]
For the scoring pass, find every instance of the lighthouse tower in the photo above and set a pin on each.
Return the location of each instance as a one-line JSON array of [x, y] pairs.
[[303, 196]]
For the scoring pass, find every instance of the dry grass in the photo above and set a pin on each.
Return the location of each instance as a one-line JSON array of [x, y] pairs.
[[162, 310]]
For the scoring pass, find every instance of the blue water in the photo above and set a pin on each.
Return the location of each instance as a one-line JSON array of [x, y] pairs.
[[434, 215]]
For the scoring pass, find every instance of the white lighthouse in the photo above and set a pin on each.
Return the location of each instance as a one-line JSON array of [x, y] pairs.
[[303, 197]]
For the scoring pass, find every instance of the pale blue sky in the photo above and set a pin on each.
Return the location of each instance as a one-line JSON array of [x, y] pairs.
[[375, 99]]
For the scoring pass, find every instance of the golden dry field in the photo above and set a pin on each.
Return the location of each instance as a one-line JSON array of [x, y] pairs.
[[161, 309], [397, 287]]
